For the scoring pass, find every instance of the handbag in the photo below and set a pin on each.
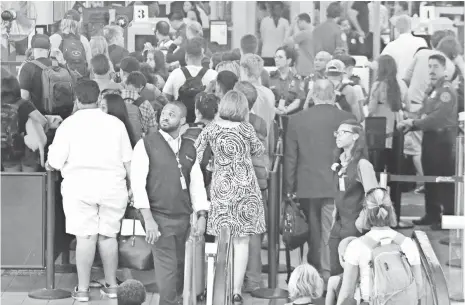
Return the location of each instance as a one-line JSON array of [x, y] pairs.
[[134, 252], [293, 226]]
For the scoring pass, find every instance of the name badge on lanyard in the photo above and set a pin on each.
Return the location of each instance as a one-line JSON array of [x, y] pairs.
[[181, 178], [342, 183]]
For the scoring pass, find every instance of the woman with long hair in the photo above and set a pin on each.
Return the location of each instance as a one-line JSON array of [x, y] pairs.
[[236, 200], [191, 12], [388, 94], [114, 105], [156, 60], [355, 176], [99, 45]]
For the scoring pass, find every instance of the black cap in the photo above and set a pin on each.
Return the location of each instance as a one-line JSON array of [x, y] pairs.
[[129, 64], [40, 41]]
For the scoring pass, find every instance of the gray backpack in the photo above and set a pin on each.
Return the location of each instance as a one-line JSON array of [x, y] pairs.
[[392, 279], [135, 116]]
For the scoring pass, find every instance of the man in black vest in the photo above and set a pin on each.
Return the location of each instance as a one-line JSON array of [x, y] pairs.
[[168, 188]]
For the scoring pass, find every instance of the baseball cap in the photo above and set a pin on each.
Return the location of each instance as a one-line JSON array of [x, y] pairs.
[[335, 67], [40, 41], [72, 15], [129, 64]]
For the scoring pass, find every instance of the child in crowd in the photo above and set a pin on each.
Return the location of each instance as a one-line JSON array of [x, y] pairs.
[[305, 285], [131, 292], [335, 282]]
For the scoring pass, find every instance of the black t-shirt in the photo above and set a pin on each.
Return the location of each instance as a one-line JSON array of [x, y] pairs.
[[117, 53], [23, 114], [30, 80], [363, 15]]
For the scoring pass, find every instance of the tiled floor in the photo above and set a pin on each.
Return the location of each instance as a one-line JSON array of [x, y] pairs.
[[15, 287]]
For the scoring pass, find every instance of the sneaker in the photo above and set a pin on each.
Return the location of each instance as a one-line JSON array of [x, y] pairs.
[[420, 190], [237, 299], [80, 296], [109, 291]]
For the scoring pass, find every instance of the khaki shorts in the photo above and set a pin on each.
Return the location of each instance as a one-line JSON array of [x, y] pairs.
[[92, 216], [412, 143]]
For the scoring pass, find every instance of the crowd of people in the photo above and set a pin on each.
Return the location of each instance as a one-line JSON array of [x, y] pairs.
[[178, 132]]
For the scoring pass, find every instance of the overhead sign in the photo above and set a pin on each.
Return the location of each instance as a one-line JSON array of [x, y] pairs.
[[141, 13]]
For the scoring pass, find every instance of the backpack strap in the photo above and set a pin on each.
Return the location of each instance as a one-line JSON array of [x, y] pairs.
[[369, 242], [138, 102], [39, 64], [399, 239], [186, 73], [201, 73]]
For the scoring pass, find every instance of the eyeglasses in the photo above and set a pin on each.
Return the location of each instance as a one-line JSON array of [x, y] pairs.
[[341, 132]]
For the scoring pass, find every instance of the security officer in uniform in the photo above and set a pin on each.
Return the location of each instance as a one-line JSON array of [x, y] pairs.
[[286, 85], [439, 125]]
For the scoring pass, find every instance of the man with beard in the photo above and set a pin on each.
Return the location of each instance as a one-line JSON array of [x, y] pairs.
[[168, 188], [438, 122]]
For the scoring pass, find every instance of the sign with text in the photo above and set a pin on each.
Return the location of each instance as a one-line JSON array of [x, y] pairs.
[[141, 13]]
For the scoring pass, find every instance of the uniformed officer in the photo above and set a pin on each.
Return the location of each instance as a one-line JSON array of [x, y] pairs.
[[438, 122], [287, 86]]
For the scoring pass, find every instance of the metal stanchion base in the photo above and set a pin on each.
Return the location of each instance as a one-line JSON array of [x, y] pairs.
[[281, 268], [49, 294], [65, 268], [270, 293], [452, 242], [404, 225], [458, 297], [455, 263], [265, 247]]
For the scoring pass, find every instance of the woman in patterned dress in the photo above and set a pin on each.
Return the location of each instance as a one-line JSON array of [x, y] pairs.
[[235, 195]]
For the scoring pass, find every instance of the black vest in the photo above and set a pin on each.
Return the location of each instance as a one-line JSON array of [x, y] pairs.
[[349, 204], [164, 190]]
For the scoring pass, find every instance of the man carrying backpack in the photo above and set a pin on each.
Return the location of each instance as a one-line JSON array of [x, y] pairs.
[[185, 83], [74, 46], [142, 116], [346, 98]]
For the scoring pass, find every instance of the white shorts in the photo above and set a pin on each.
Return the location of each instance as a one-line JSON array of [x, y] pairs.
[[92, 216]]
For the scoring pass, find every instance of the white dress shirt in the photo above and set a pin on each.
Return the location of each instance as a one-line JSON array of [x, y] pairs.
[[140, 171]]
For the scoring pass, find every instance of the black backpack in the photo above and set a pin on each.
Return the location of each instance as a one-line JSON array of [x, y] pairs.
[[189, 90], [74, 55], [341, 101]]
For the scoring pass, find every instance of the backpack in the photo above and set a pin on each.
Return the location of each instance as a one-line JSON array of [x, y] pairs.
[[392, 278], [341, 101], [74, 55], [192, 133], [57, 89], [135, 116], [10, 128], [189, 90]]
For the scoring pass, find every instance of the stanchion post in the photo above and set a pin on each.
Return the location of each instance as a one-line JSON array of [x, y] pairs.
[[50, 292], [272, 292]]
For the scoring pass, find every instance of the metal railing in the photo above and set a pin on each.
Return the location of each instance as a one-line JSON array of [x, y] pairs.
[[224, 269]]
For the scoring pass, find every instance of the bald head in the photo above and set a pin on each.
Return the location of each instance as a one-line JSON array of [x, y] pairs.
[[403, 24], [321, 59], [323, 92]]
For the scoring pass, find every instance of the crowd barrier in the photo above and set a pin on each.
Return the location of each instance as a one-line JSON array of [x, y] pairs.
[[50, 292]]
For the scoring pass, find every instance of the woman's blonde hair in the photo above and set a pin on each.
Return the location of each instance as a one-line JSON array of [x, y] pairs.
[[252, 65], [232, 66], [114, 35], [99, 45], [305, 281], [379, 214], [69, 26], [234, 107], [195, 29]]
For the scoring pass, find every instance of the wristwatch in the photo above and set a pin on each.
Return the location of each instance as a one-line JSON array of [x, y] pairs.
[[202, 213]]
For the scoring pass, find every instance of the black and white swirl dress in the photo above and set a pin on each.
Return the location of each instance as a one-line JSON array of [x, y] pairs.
[[236, 199]]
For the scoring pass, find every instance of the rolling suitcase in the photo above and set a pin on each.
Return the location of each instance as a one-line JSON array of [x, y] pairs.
[[194, 270]]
